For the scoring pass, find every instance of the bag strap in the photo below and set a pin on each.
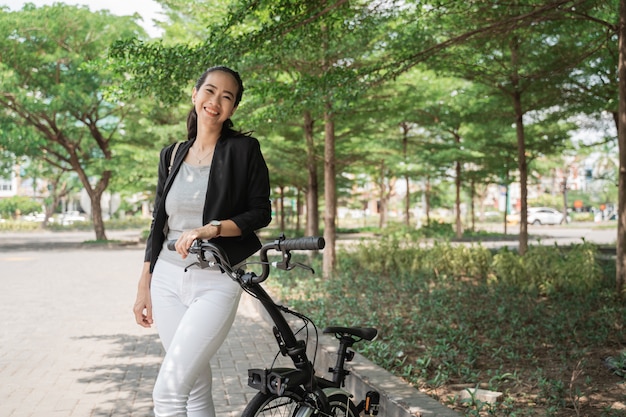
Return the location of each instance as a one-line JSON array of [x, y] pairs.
[[173, 156]]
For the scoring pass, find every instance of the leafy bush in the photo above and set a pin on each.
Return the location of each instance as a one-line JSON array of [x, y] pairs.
[[19, 226], [11, 207], [128, 223], [437, 229], [550, 270], [461, 316]]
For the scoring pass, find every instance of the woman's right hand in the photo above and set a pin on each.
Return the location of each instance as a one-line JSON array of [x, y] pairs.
[[143, 304]]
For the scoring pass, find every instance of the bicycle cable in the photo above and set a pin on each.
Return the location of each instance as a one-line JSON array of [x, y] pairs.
[[236, 276]]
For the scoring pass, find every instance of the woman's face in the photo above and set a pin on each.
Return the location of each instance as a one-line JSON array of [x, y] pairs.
[[215, 100]]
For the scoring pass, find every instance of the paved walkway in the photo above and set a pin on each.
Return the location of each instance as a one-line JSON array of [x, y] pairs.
[[69, 346]]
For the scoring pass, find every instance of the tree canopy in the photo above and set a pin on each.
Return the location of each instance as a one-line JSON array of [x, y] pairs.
[[462, 93]]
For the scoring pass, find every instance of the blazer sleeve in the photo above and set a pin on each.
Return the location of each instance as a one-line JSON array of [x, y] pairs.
[[258, 213], [163, 173]]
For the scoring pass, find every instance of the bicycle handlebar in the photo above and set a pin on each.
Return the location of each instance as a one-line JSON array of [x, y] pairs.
[[301, 243], [280, 245], [285, 246]]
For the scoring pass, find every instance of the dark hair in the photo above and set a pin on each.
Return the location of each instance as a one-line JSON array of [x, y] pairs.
[[192, 117]]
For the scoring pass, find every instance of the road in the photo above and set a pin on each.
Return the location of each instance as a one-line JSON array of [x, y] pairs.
[[599, 233]]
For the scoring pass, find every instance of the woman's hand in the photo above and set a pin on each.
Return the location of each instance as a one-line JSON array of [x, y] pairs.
[[185, 241], [208, 231], [143, 304]]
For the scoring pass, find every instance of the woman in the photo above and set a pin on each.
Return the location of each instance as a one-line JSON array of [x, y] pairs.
[[216, 188]]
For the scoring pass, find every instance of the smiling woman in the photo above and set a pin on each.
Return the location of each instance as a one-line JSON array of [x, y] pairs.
[[214, 186], [147, 10]]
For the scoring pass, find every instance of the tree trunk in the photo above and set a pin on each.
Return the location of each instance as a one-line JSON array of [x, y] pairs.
[[95, 197], [521, 152], [312, 194], [330, 196], [457, 186], [281, 201], [382, 199], [506, 203], [472, 198], [565, 197], [405, 150], [298, 209], [523, 175], [407, 201], [427, 200], [620, 258], [58, 190]]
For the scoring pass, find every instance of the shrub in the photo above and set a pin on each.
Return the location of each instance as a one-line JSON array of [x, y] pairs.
[[439, 331], [19, 226], [550, 269], [13, 206]]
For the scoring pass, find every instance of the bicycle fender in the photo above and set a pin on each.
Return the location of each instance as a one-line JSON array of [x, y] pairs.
[[332, 390], [307, 411]]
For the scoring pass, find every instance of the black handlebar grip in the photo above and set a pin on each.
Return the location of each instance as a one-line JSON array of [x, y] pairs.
[[303, 243], [171, 244]]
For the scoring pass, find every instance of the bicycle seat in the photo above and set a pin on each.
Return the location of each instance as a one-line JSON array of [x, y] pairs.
[[367, 333]]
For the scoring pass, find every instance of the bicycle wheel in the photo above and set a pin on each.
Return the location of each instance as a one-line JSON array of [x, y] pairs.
[[272, 405], [288, 405]]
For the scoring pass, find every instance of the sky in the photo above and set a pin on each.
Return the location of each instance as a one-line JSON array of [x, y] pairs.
[[148, 9]]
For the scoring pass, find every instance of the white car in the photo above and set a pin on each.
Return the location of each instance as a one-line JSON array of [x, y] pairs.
[[545, 215], [70, 217]]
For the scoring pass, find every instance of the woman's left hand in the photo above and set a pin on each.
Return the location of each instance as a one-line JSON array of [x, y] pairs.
[[185, 241]]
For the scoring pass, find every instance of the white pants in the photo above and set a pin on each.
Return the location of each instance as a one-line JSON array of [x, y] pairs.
[[193, 312]]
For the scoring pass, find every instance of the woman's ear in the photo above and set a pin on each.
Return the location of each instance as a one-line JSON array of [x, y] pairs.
[[193, 95], [233, 111]]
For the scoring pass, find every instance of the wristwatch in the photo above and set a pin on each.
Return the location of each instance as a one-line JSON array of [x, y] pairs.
[[218, 225]]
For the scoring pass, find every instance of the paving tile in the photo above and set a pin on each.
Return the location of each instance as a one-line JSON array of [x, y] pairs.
[[69, 346]]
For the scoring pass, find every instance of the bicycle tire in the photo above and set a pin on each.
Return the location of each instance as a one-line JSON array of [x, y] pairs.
[[288, 405], [272, 405]]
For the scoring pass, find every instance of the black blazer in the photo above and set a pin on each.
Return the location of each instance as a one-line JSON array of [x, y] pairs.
[[238, 190]]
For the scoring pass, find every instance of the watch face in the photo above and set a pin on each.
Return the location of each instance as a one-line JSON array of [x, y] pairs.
[[215, 223]]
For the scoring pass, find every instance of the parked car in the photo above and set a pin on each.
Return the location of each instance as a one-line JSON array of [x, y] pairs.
[[539, 216], [69, 217]]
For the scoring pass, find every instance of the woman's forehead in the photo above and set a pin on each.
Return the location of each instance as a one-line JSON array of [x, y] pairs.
[[222, 79]]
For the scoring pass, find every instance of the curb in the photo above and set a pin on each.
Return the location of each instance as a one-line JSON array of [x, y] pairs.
[[397, 397]]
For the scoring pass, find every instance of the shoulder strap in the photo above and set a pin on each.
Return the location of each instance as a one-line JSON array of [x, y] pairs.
[[173, 156]]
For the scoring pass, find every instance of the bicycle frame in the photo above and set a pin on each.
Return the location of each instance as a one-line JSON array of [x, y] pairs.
[[302, 377]]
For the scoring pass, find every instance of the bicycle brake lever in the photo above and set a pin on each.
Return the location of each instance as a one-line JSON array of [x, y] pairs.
[[190, 265], [303, 266]]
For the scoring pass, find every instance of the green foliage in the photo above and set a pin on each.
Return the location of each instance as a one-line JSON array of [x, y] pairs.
[[547, 200], [461, 316], [54, 76], [437, 229], [19, 226], [551, 270], [112, 224], [13, 207]]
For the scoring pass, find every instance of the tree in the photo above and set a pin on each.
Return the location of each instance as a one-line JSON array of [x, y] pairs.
[[307, 55], [621, 138], [59, 184], [52, 88]]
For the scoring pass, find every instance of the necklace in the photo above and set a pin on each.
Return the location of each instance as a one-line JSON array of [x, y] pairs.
[[200, 159]]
